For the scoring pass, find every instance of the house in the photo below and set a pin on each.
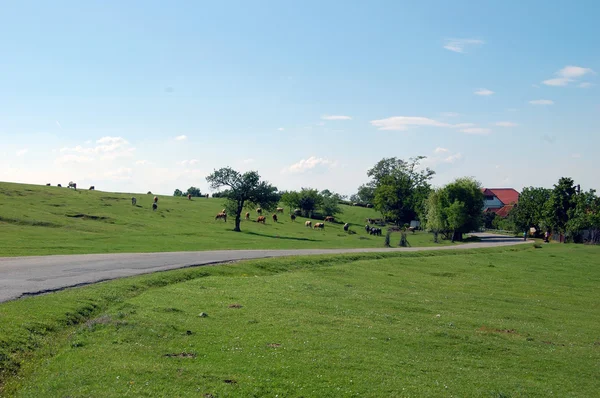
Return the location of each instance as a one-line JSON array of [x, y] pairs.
[[499, 200]]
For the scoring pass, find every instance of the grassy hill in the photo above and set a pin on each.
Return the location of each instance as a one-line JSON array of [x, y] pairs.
[[507, 322], [40, 220]]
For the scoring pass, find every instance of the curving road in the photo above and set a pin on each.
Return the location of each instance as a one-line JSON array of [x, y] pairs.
[[25, 276]]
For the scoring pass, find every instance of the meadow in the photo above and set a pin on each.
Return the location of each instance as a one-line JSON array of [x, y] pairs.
[[504, 322], [41, 220]]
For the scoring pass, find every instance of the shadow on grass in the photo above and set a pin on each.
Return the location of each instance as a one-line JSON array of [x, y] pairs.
[[279, 237]]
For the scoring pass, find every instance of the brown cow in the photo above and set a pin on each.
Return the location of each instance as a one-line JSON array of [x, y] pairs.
[[156, 199], [189, 196], [261, 219], [247, 215], [308, 223], [280, 210], [293, 217], [221, 215], [259, 210], [329, 218], [275, 217], [319, 225]]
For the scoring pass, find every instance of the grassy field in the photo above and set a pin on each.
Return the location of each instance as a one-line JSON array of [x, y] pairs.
[[40, 220], [510, 322]]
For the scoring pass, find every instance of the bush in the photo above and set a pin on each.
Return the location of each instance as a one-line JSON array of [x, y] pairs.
[[387, 238]]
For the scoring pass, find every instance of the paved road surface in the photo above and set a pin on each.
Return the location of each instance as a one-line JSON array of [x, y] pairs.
[[24, 276]]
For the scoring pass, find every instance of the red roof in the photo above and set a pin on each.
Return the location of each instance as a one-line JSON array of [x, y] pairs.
[[500, 212], [506, 195]]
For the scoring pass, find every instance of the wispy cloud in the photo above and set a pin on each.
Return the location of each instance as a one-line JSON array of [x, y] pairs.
[[280, 129], [506, 124], [58, 124], [477, 130], [463, 125], [247, 161], [107, 148], [576, 156], [449, 114], [585, 84], [181, 138], [311, 163], [484, 92], [141, 162], [453, 158], [190, 162], [440, 150], [72, 158], [459, 45], [567, 75], [22, 152], [541, 102], [335, 117], [402, 123]]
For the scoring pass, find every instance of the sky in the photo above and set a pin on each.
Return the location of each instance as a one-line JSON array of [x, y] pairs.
[[154, 96]]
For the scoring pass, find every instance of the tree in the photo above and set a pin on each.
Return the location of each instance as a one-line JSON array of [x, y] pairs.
[[400, 188], [177, 193], [195, 192], [243, 190], [455, 209], [309, 200], [559, 205], [585, 216], [330, 205], [529, 212], [365, 194]]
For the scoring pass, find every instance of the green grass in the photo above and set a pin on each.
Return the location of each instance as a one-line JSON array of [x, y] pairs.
[[40, 220], [503, 322]]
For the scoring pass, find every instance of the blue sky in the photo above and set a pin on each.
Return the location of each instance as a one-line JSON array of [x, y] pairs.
[[136, 96]]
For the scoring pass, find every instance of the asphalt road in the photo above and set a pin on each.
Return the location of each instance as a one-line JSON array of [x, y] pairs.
[[25, 276]]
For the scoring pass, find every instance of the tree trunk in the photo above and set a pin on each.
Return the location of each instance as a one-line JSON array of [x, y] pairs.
[[237, 223], [457, 236]]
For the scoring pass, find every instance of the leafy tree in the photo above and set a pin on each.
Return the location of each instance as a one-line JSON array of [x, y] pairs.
[[365, 194], [195, 192], [177, 193], [455, 209], [330, 205], [560, 204], [488, 219], [309, 200], [585, 216], [529, 211], [400, 188], [243, 190]]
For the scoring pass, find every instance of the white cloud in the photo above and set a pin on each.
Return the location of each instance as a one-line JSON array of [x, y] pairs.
[[567, 75], [453, 158], [440, 150], [108, 148], [246, 161], [458, 45], [335, 117], [449, 114], [506, 124], [483, 91], [585, 84], [309, 164], [280, 129], [463, 125], [321, 124], [190, 162], [181, 138], [402, 123], [141, 162], [22, 152], [477, 130], [71, 158], [541, 102]]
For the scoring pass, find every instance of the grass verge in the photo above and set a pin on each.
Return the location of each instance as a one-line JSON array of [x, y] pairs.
[[516, 321]]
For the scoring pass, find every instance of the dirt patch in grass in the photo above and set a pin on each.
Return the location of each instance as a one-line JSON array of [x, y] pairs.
[[88, 217], [31, 223], [229, 381], [181, 355], [273, 345], [492, 330], [235, 306]]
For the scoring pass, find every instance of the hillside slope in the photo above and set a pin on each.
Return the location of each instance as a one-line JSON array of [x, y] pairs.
[[40, 220]]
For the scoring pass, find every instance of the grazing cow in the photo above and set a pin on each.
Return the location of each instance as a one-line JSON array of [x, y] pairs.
[[189, 196], [329, 218], [92, 188], [261, 219], [72, 185], [297, 212], [133, 201], [48, 184], [319, 225], [221, 215], [259, 210], [60, 186], [154, 206], [156, 199], [247, 215], [275, 217], [367, 228], [206, 196], [280, 210], [308, 223], [293, 217], [346, 226]]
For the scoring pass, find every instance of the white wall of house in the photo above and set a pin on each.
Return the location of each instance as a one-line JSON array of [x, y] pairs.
[[493, 203]]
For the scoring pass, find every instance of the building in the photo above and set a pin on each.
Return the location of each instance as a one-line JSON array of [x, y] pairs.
[[499, 200]]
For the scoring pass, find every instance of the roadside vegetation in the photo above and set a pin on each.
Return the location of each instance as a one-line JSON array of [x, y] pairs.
[[504, 322]]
